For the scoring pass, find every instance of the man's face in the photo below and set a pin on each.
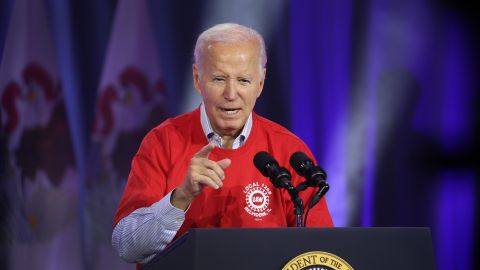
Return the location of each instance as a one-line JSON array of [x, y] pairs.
[[229, 78]]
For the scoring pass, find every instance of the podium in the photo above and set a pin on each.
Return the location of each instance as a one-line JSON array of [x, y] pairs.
[[274, 248]]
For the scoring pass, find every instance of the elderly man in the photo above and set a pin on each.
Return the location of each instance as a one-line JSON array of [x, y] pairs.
[[196, 170]]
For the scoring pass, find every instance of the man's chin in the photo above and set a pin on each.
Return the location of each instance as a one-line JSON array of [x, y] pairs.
[[229, 130]]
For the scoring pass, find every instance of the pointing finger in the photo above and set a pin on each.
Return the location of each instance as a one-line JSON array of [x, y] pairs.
[[205, 151]]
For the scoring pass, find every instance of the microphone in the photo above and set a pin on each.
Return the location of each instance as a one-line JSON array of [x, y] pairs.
[[268, 166], [314, 177], [304, 166], [280, 178]]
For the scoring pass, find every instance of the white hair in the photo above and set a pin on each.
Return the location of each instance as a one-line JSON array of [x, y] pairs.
[[229, 33]]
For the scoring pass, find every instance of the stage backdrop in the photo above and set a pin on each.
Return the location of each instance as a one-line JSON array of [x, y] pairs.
[[385, 93]]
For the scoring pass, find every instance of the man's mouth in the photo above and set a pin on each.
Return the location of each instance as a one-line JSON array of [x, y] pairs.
[[230, 111]]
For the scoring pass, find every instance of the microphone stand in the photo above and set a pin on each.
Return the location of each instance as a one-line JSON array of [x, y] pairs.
[[297, 205], [322, 190]]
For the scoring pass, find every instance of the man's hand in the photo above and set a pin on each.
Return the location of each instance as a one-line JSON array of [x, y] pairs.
[[201, 172]]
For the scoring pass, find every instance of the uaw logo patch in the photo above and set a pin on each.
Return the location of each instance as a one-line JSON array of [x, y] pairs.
[[257, 198], [317, 260]]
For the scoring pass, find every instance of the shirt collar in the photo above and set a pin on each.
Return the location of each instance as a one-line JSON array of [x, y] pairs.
[[214, 137]]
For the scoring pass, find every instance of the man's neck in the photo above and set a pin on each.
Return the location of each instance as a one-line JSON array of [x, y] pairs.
[[228, 142], [227, 139]]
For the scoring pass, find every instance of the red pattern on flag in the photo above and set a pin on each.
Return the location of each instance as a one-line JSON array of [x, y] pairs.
[[131, 100], [41, 178]]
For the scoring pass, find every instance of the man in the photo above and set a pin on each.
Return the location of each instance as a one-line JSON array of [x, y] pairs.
[[196, 170]]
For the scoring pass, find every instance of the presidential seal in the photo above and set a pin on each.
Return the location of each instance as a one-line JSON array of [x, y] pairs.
[[257, 199], [317, 260]]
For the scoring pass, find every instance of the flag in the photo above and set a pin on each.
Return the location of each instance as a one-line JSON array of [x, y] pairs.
[[39, 176], [131, 100]]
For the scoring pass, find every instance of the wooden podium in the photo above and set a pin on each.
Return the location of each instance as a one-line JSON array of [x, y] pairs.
[[360, 248]]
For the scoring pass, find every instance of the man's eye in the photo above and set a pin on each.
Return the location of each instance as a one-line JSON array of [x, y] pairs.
[[218, 79], [244, 81]]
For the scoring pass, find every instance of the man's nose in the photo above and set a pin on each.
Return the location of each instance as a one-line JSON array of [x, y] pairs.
[[230, 92]]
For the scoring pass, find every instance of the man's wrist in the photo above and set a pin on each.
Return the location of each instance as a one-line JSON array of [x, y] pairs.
[[180, 199]]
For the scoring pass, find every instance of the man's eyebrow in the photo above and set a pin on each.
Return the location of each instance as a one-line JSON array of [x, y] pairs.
[[218, 76]]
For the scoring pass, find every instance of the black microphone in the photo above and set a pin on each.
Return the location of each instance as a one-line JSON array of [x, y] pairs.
[[269, 167], [304, 166], [314, 177], [280, 178]]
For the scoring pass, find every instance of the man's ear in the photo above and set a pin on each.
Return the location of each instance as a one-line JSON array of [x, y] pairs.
[[196, 78], [262, 81]]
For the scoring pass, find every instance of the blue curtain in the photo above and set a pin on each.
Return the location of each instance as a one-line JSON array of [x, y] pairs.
[[385, 93]]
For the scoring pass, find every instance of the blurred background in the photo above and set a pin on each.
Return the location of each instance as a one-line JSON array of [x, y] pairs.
[[385, 93]]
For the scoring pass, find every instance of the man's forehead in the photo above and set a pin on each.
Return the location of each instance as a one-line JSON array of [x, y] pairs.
[[233, 58], [247, 45]]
